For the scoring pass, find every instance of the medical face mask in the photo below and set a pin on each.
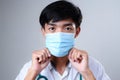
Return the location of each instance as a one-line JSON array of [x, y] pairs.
[[59, 44]]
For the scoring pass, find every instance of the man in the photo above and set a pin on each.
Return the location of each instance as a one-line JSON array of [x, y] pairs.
[[60, 60]]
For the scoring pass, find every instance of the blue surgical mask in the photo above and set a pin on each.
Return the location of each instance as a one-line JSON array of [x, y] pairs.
[[59, 43]]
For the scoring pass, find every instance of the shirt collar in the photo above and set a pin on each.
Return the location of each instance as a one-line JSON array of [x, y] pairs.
[[69, 68]]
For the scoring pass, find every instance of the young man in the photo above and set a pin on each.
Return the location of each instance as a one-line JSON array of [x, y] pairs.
[[60, 60]]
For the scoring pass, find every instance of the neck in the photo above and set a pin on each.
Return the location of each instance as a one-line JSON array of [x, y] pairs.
[[60, 63]]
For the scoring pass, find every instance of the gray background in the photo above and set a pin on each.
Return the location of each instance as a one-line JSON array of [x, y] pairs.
[[20, 33]]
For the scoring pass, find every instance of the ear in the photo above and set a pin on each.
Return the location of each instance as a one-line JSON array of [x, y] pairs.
[[77, 31], [43, 31]]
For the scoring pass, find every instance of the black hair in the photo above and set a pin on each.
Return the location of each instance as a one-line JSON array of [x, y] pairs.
[[60, 10]]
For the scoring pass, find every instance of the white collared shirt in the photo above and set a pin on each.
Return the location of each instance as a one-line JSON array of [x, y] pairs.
[[70, 72], [65, 76]]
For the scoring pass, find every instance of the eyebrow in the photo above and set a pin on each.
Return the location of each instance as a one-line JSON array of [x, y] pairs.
[[66, 24], [52, 24]]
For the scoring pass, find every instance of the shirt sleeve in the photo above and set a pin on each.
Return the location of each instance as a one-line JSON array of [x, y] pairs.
[[98, 69], [102, 74], [23, 71]]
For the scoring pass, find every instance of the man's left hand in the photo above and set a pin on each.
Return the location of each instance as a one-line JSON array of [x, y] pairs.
[[79, 60]]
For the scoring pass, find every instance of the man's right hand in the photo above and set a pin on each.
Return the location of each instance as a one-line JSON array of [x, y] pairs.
[[40, 59]]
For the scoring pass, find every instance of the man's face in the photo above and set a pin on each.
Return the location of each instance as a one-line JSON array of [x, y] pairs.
[[67, 26]]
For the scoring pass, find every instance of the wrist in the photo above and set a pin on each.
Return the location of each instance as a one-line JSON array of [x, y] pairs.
[[31, 74], [88, 75]]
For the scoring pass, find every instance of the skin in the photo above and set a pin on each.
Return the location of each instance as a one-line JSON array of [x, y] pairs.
[[78, 58]]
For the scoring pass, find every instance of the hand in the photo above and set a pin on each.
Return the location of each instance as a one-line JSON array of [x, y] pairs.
[[40, 60], [79, 60]]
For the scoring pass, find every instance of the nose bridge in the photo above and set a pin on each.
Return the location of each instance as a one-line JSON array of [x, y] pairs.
[[59, 28]]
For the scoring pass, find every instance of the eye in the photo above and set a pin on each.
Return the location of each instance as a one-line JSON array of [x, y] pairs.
[[51, 29], [68, 28]]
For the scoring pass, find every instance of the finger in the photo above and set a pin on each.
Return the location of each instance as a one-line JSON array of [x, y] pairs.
[[70, 60], [76, 56], [70, 53], [40, 58], [35, 56], [84, 54], [79, 57], [73, 55], [45, 54], [48, 53]]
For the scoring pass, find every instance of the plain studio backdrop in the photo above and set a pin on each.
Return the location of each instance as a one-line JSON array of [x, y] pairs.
[[20, 33]]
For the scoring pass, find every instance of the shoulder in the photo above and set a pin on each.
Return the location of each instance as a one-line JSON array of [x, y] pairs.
[[26, 66], [97, 69], [23, 71], [94, 63]]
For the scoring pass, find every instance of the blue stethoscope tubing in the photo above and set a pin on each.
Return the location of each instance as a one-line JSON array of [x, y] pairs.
[[45, 78]]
